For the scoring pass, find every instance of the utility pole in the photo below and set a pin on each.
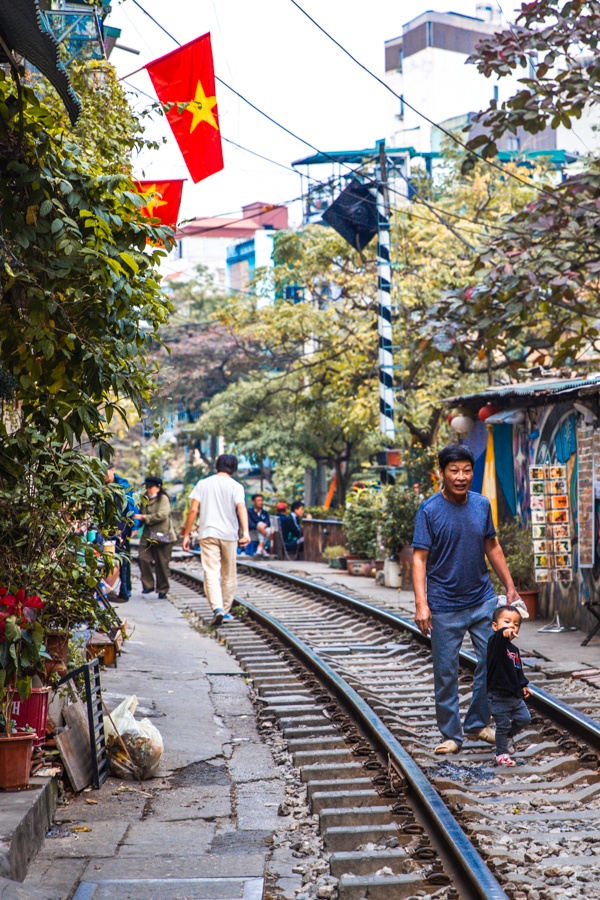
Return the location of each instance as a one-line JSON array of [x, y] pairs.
[[384, 279]]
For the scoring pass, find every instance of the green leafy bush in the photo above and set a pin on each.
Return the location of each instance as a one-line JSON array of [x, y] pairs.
[[398, 517], [517, 542], [361, 521]]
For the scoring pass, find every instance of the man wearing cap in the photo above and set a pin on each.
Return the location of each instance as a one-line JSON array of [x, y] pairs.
[[157, 538], [219, 500]]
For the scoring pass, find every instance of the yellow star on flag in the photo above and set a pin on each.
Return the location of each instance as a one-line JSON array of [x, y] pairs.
[[201, 108], [156, 200]]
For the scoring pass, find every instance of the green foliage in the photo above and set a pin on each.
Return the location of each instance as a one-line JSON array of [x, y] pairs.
[[80, 304], [361, 521], [537, 281], [21, 648], [310, 388], [398, 517], [334, 552], [517, 543]]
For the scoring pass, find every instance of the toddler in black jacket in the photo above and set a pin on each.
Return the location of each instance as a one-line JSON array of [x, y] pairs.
[[506, 683]]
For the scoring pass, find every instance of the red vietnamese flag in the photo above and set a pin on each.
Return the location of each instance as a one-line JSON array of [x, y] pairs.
[[187, 76], [164, 199]]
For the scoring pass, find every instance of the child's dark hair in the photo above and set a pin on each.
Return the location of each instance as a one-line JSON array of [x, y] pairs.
[[500, 609]]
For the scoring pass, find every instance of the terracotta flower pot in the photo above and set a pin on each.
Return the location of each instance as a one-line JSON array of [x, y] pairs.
[[359, 566], [405, 558], [530, 599], [57, 645], [15, 760]]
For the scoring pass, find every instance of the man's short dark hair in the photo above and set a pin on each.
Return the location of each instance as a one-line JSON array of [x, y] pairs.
[[455, 453], [256, 496], [297, 504], [499, 609], [226, 462]]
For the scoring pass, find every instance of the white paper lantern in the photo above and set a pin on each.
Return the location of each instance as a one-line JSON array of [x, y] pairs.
[[462, 424]]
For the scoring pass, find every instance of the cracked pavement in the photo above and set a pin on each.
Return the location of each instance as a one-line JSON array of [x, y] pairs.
[[203, 828]]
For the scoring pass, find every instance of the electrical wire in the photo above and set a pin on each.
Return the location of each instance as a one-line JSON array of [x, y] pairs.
[[422, 115], [436, 210]]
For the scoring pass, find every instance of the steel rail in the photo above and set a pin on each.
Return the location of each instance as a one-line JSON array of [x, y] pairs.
[[578, 722], [457, 844]]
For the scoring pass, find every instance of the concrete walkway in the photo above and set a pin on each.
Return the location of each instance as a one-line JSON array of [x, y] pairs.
[[201, 829], [205, 828]]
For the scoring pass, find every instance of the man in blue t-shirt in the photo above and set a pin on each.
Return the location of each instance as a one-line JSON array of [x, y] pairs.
[[454, 533]]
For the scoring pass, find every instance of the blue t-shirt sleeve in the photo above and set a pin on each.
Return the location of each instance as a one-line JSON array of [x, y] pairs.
[[422, 538], [490, 530]]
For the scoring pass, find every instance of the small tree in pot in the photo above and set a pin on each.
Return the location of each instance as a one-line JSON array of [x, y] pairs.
[[397, 528], [361, 520], [517, 542], [398, 518]]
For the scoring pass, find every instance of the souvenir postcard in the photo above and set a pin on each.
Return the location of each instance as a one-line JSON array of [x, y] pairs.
[[562, 560], [538, 487], [538, 516], [538, 502], [539, 531], [558, 487], [558, 516], [541, 546], [562, 546], [560, 501], [541, 574], [562, 575], [542, 561], [559, 531], [556, 472], [536, 473]]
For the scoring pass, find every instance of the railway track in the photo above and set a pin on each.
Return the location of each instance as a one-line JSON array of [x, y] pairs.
[[351, 688]]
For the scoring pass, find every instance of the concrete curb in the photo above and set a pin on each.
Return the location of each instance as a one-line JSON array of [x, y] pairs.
[[25, 817]]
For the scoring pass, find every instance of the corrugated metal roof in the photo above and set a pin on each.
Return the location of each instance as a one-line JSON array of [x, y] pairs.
[[538, 388]]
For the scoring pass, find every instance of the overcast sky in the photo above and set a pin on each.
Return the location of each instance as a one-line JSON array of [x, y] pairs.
[[272, 54]]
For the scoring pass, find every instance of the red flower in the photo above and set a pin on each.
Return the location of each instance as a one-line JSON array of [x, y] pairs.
[[34, 602], [9, 600], [3, 591]]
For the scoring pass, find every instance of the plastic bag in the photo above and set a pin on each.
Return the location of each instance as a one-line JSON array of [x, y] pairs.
[[142, 739]]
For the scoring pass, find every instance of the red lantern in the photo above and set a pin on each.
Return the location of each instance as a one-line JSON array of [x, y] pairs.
[[486, 411]]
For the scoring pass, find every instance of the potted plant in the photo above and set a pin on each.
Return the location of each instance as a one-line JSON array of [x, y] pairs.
[[397, 529], [517, 542], [335, 556], [361, 519], [21, 656]]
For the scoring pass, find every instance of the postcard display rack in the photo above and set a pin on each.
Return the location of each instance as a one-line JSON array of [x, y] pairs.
[[551, 523]]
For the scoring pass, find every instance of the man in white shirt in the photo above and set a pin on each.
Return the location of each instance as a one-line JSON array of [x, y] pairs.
[[221, 502]]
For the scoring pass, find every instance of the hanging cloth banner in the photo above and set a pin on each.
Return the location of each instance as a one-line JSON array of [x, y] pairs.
[[164, 199], [489, 476], [184, 80]]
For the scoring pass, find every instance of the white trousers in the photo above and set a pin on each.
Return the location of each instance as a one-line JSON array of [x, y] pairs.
[[220, 573]]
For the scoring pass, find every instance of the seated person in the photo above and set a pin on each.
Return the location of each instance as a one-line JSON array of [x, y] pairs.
[[260, 522], [292, 528]]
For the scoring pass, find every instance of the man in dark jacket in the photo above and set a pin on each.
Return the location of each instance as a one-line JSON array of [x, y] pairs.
[[260, 522], [292, 529]]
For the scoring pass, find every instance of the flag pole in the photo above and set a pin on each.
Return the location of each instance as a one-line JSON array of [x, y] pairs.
[[135, 71], [384, 322]]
